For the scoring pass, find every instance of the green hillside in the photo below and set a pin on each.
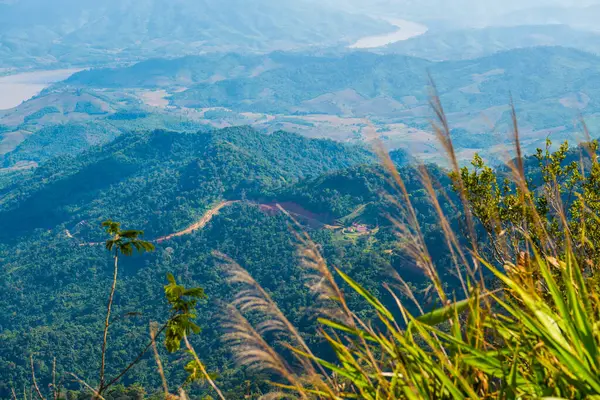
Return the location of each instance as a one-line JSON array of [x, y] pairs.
[[190, 170]]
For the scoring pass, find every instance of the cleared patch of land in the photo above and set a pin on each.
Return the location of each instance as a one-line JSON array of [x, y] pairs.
[[199, 224], [155, 98]]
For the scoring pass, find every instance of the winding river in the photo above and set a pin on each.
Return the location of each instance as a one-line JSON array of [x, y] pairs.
[[408, 29]]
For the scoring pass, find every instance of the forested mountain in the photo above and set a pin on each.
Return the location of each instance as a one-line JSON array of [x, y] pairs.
[[179, 175], [198, 130], [55, 270], [85, 32]]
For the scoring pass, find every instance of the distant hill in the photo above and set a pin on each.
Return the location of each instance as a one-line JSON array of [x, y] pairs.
[[183, 71], [86, 32], [283, 82], [353, 96], [457, 13], [550, 86], [581, 16], [474, 43], [115, 179]]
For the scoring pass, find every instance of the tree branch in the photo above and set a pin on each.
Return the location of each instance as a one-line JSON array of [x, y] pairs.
[[136, 360], [107, 322], [161, 370]]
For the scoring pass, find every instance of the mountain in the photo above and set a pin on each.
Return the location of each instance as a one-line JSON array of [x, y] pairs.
[[580, 16], [303, 83], [460, 13], [55, 269], [475, 43], [114, 179], [393, 89], [183, 71], [354, 96], [86, 32]]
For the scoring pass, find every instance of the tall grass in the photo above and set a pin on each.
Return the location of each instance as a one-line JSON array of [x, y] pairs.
[[536, 334]]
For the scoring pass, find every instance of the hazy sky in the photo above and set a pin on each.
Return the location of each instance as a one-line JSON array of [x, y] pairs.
[[465, 12]]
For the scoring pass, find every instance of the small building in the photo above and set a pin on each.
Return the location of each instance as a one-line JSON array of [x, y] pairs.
[[359, 228]]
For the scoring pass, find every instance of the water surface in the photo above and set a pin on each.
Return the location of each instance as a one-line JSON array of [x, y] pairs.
[[408, 29], [17, 88]]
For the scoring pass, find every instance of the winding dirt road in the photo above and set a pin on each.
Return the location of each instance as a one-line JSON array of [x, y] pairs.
[[197, 225], [206, 218], [292, 208]]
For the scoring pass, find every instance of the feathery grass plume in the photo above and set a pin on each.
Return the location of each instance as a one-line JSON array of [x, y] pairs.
[[458, 256], [319, 278], [441, 129], [253, 298], [251, 350], [407, 225]]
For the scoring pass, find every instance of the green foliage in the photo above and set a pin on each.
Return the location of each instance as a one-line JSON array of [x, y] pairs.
[[554, 202], [183, 308], [125, 241]]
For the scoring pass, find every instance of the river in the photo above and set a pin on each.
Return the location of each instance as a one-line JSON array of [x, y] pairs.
[[408, 29], [15, 89]]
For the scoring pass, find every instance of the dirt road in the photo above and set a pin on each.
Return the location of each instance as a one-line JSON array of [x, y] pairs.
[[199, 224]]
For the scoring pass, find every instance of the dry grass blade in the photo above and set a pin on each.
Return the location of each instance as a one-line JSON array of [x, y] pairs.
[[34, 380], [97, 395], [161, 371], [202, 369]]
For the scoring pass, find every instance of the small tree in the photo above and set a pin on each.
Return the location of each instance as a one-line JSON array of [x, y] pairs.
[[121, 242]]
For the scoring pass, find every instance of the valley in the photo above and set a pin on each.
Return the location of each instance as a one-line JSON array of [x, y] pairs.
[[357, 98]]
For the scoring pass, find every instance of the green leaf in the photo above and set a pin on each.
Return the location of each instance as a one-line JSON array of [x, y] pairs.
[[366, 295]]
